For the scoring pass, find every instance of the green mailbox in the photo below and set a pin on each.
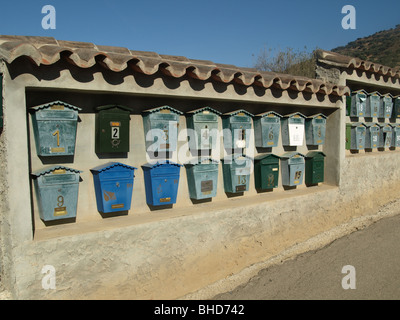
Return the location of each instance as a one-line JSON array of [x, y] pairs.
[[204, 125], [202, 177], [396, 136], [292, 166], [56, 192], [112, 129], [161, 129], [372, 135], [266, 171], [293, 129], [267, 127], [357, 103], [237, 126], [236, 172], [314, 167], [355, 136], [386, 106], [315, 129], [54, 127], [396, 107], [373, 105], [385, 135]]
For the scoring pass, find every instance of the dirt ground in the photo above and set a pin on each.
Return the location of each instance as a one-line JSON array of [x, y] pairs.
[[374, 252]]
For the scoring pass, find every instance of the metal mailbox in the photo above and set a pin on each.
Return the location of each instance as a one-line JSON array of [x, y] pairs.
[[396, 136], [385, 135], [315, 163], [54, 127], [204, 123], [292, 166], [293, 129], [355, 136], [315, 129], [357, 103], [161, 182], [113, 184], [267, 127], [112, 129], [161, 129], [202, 178], [373, 105], [266, 171], [236, 172], [386, 106], [57, 190], [372, 135], [396, 107], [238, 123]]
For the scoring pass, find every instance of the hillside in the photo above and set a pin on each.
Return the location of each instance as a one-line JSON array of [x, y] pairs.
[[382, 47]]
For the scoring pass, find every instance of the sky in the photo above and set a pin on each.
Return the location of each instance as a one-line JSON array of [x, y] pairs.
[[230, 32]]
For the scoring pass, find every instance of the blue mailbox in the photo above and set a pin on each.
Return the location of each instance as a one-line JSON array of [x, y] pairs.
[[57, 190], [113, 184], [161, 182]]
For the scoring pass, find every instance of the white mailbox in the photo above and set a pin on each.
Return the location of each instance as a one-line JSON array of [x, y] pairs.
[[293, 129]]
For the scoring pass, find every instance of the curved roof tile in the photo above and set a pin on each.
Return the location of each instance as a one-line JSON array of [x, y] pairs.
[[47, 50]]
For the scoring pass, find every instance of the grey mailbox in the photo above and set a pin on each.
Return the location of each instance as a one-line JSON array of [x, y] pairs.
[[396, 107], [292, 167], [293, 129], [372, 135], [386, 106], [315, 129], [355, 136], [396, 136], [267, 127], [373, 105], [386, 135], [357, 103], [238, 123]]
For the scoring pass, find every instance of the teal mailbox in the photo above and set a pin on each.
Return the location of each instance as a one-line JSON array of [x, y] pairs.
[[161, 182], [396, 107], [292, 166], [237, 128], [372, 135], [236, 172], [202, 178], [293, 129], [396, 136], [386, 106], [57, 190], [204, 125], [315, 129], [113, 184], [54, 127], [355, 136], [267, 127], [385, 136], [357, 103], [373, 105], [266, 171], [161, 129]]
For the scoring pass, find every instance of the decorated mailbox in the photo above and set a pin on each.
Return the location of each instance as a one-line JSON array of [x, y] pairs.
[[267, 127], [54, 127]]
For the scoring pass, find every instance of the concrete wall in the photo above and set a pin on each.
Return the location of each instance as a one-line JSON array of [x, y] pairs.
[[164, 253]]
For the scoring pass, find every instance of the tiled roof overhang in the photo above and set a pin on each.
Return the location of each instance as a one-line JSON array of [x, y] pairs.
[[47, 51], [338, 60]]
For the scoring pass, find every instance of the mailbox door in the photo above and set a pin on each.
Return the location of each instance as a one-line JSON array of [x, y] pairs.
[[357, 104], [374, 105], [55, 137], [358, 138], [117, 195], [396, 108], [202, 181], [373, 138], [112, 132], [293, 132], [319, 128], [387, 107], [396, 137], [269, 176], [270, 128], [165, 189], [205, 132], [314, 171], [240, 135], [296, 172]]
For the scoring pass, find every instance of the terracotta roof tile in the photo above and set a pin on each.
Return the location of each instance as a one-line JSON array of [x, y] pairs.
[[47, 50]]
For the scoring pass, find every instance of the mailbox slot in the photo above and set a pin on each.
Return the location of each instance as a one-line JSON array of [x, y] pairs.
[[266, 171], [315, 161], [373, 105], [202, 178], [236, 172], [112, 129], [204, 123], [293, 129], [315, 129], [161, 129], [357, 103], [161, 182], [292, 166], [57, 190], [267, 127], [54, 127], [238, 123], [355, 136], [113, 183]]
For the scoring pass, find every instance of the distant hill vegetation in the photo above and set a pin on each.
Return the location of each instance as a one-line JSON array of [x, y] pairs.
[[382, 47]]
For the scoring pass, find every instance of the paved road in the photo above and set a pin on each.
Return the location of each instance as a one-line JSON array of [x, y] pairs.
[[374, 253]]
